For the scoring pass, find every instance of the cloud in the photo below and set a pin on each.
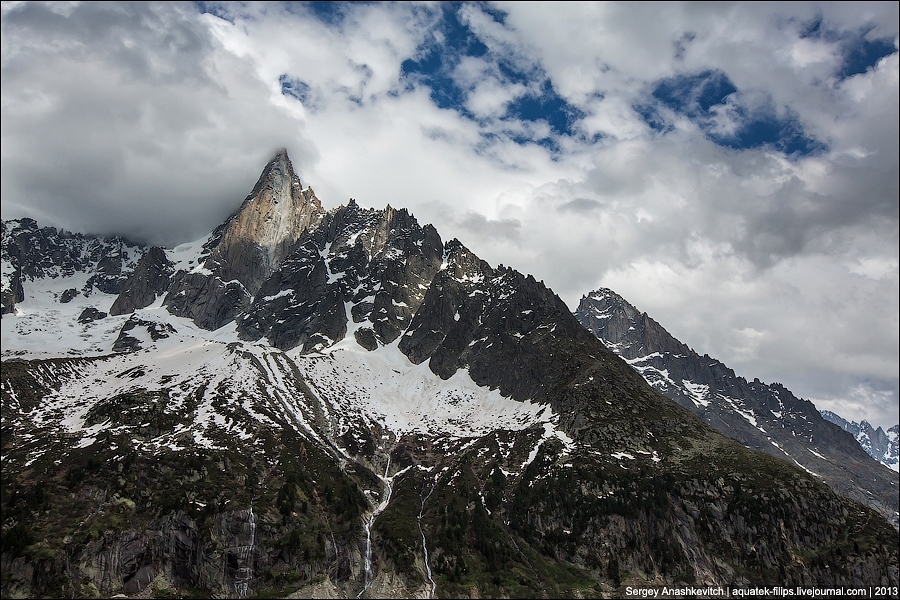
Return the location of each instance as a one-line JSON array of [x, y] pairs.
[[730, 168], [865, 401], [479, 226], [131, 119], [580, 205]]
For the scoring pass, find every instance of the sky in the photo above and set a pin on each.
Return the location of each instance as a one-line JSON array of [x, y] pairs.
[[729, 168]]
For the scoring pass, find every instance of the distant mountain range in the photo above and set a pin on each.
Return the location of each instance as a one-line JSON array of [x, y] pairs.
[[879, 444], [338, 403]]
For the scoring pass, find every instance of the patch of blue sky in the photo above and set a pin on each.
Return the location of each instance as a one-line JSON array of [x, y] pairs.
[[546, 106], [694, 95], [863, 54], [329, 13], [216, 9], [859, 52], [708, 97], [488, 139], [295, 88], [765, 129], [441, 52], [452, 40]]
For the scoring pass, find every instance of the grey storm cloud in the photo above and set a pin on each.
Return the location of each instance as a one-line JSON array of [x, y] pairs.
[[480, 226], [116, 119], [580, 205]]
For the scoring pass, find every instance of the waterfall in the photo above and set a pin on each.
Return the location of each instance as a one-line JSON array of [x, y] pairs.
[[244, 574], [385, 499], [367, 561], [425, 545]]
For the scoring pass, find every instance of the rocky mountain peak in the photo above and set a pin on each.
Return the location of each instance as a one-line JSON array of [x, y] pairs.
[[603, 304], [265, 229], [766, 417], [462, 264], [883, 446], [620, 324], [243, 252]]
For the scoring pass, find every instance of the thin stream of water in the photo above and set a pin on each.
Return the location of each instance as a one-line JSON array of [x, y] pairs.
[[386, 498], [425, 545]]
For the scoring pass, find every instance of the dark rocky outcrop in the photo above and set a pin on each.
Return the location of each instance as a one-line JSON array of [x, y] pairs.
[[11, 291], [150, 278], [501, 325], [91, 314], [128, 340], [207, 300]]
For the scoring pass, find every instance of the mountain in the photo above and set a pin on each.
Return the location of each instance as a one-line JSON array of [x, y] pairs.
[[766, 417], [880, 445], [339, 403], [88, 264]]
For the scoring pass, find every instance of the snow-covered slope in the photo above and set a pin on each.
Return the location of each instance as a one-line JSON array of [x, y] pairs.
[[58, 276], [346, 382], [322, 393]]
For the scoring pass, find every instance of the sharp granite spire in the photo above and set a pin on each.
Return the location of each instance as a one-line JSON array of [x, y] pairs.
[[247, 248], [257, 238]]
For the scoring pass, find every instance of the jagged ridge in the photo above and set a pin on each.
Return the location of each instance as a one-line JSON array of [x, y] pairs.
[[29, 252], [767, 417]]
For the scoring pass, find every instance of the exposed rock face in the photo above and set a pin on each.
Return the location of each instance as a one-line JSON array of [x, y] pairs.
[[150, 278], [30, 252], [11, 291], [495, 322], [206, 299], [766, 417], [366, 265], [172, 550], [248, 248], [264, 230]]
